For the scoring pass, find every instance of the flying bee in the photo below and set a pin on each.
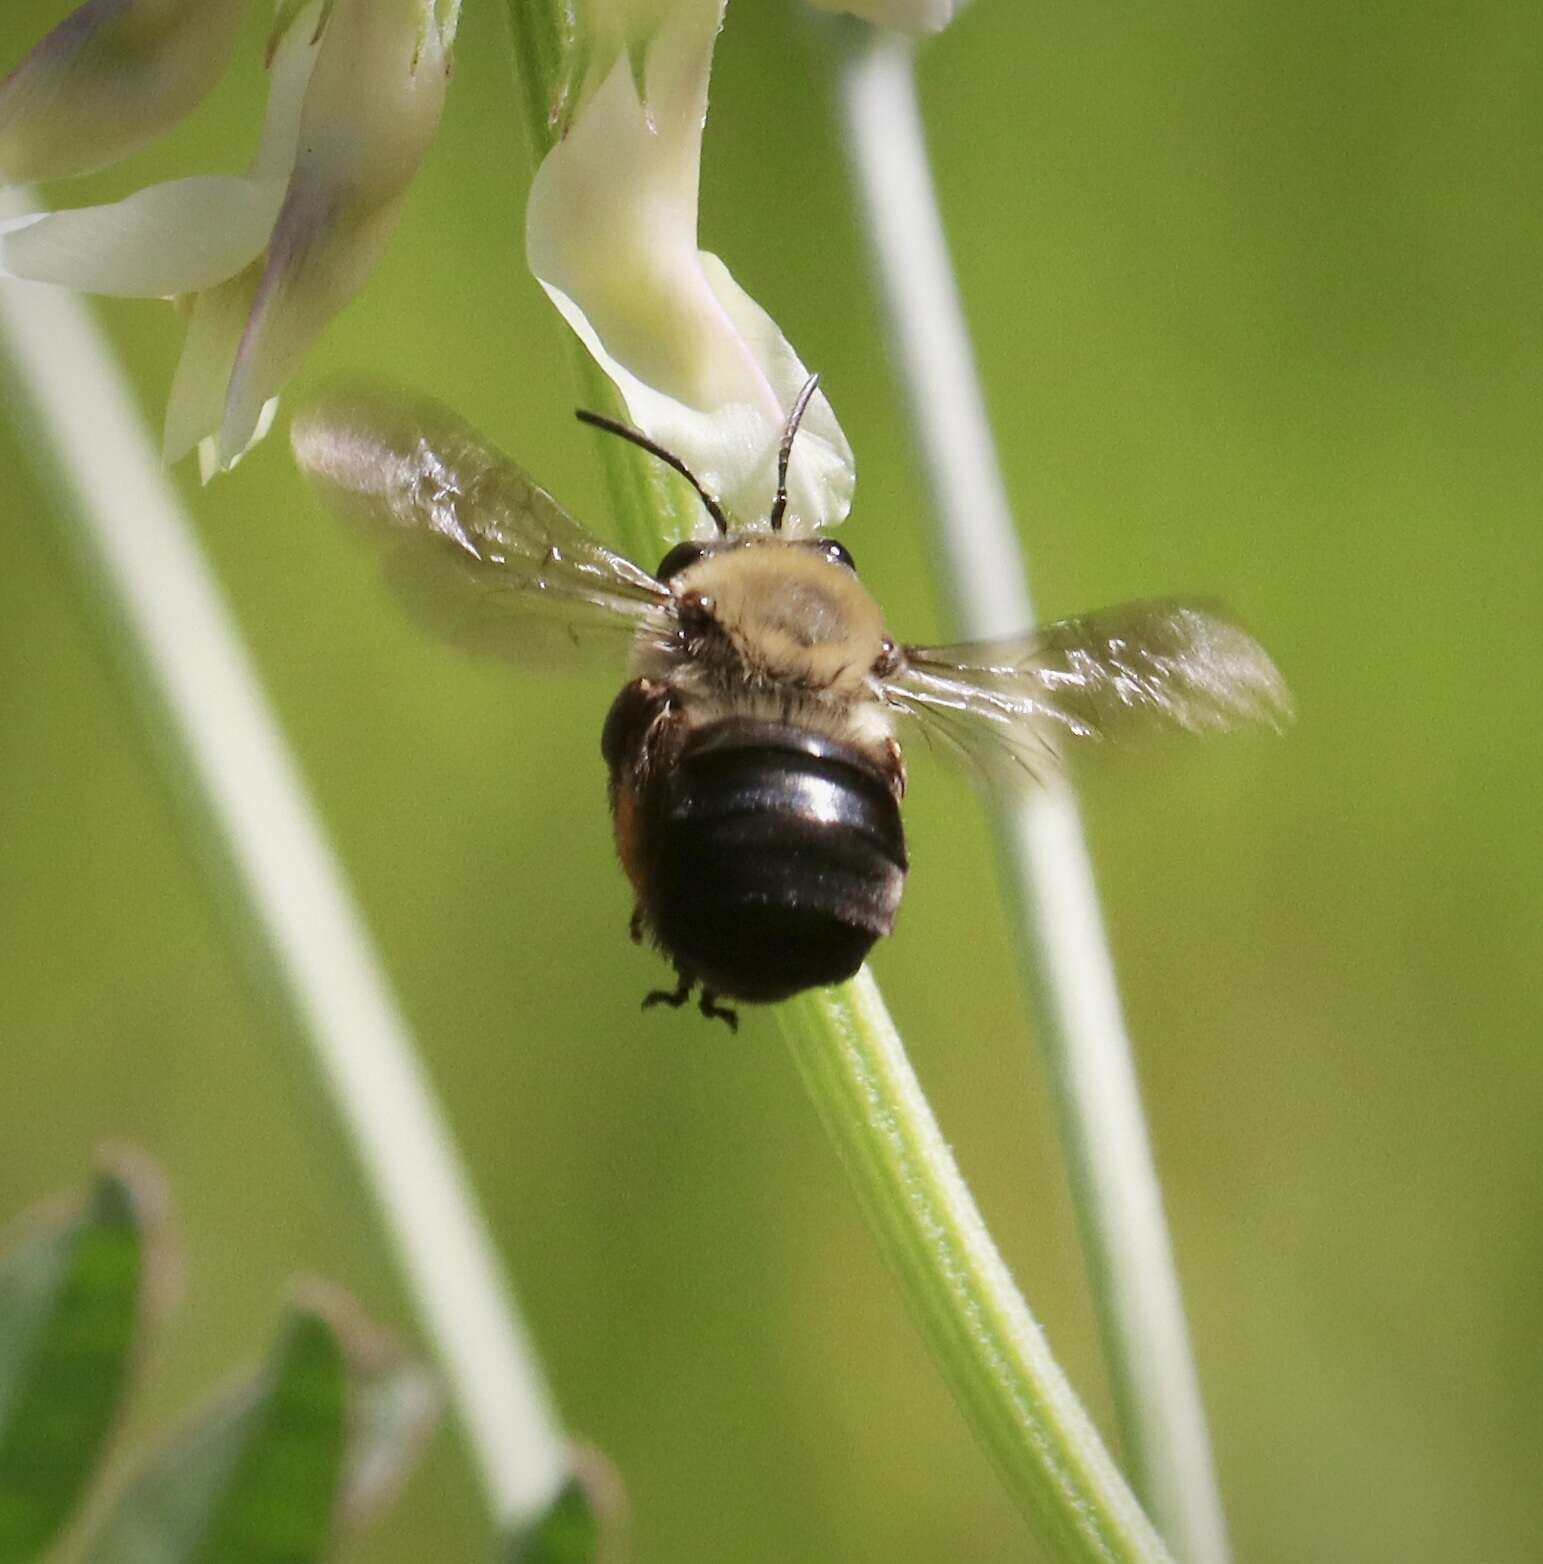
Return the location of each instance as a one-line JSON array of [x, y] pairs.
[[755, 773]]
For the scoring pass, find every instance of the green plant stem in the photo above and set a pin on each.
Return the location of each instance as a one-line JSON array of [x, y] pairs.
[[1063, 951], [223, 748], [992, 1353]]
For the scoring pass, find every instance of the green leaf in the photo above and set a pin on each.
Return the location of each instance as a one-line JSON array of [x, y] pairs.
[[256, 1479], [70, 1296], [566, 1532]]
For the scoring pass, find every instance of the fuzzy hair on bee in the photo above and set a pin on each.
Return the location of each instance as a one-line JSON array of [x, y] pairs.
[[777, 631]]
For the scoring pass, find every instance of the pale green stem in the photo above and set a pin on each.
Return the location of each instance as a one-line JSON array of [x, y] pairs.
[[992, 1353], [1063, 949], [184, 653]]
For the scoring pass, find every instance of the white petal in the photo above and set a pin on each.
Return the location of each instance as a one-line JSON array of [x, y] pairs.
[[611, 235], [313, 270], [218, 315], [180, 237], [822, 462], [211, 461], [215, 326], [371, 108], [111, 76], [188, 234], [292, 53], [904, 16]]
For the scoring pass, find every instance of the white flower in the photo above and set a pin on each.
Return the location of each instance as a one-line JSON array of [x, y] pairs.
[[370, 112], [266, 259], [611, 233], [904, 16], [187, 234], [110, 77]]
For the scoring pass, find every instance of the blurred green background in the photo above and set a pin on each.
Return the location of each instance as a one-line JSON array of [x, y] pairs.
[[1257, 300]]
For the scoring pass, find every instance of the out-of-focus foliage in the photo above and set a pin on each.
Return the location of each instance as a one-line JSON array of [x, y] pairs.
[[1255, 294], [256, 1477], [71, 1288], [268, 1474]]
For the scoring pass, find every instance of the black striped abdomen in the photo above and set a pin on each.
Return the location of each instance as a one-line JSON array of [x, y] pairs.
[[776, 858]]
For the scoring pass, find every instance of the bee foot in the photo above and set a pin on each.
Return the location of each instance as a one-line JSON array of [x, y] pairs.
[[716, 1012], [674, 998], [707, 1004]]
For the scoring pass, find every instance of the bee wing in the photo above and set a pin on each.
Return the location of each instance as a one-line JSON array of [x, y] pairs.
[[476, 546], [1175, 665]]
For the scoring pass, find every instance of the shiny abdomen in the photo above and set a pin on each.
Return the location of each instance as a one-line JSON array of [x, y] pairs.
[[775, 856]]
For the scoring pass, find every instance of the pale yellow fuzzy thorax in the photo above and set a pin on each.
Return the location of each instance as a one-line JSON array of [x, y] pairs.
[[795, 638], [792, 616]]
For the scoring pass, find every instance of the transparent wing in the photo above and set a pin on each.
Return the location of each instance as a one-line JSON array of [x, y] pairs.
[[475, 546], [1180, 666]]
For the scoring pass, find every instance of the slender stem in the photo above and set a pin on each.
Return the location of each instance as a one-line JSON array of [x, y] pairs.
[[185, 656], [992, 1353], [1063, 949]]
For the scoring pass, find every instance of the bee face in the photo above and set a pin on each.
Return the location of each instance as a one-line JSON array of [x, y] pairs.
[[755, 776]]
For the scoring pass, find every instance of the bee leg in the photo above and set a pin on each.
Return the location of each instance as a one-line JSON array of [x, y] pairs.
[[635, 928], [716, 1012], [673, 998]]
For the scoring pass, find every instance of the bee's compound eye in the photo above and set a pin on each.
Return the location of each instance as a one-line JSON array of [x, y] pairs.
[[838, 554], [888, 660], [696, 610], [682, 557]]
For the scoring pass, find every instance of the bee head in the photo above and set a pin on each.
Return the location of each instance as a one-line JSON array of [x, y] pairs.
[[680, 558], [684, 555]]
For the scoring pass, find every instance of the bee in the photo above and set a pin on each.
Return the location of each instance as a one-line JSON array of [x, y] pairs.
[[755, 774]]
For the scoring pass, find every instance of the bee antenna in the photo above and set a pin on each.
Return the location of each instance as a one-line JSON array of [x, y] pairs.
[[795, 418], [669, 458]]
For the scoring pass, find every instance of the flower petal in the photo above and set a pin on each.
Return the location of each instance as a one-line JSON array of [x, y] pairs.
[[188, 234], [214, 330], [180, 237], [111, 76], [611, 236], [821, 460], [211, 460], [292, 54], [904, 16], [371, 108]]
